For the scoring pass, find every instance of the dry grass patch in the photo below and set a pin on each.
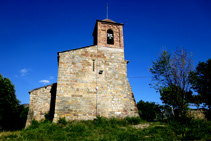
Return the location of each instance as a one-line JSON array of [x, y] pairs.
[[141, 126], [4, 133], [9, 133], [146, 125]]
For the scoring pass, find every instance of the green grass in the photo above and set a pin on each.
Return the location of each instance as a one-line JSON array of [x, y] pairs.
[[102, 129]]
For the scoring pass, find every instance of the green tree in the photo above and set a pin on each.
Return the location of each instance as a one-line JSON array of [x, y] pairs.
[[170, 78], [177, 98], [148, 110], [201, 82], [10, 108]]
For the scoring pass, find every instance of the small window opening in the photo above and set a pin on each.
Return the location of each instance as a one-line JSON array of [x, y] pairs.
[[93, 65], [101, 72], [110, 37]]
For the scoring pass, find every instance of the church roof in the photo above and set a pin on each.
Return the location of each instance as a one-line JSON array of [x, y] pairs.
[[75, 49], [42, 87], [108, 20]]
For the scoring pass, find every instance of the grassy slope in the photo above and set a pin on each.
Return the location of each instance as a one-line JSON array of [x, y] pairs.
[[112, 129]]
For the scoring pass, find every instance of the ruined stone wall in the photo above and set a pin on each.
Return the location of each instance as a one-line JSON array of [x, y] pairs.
[[196, 114], [78, 77], [41, 103]]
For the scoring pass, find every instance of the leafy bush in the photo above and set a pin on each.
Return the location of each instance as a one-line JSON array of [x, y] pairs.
[[34, 125], [12, 114], [47, 116], [62, 121], [191, 129], [133, 120], [200, 80], [148, 110], [208, 114]]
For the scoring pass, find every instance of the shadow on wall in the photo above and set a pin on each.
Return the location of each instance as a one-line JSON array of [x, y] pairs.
[[53, 100]]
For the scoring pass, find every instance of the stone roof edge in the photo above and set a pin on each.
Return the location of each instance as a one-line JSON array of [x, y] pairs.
[[76, 49], [41, 87], [104, 22], [84, 47], [110, 22]]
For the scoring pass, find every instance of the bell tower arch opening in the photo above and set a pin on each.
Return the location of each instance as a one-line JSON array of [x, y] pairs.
[[110, 37]]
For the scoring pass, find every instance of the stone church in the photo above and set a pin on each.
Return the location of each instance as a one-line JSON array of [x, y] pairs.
[[91, 81]]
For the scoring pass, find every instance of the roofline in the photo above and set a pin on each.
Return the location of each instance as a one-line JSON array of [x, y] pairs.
[[42, 87], [75, 49], [110, 22]]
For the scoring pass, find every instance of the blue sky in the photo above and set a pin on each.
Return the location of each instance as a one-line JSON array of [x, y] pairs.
[[32, 32]]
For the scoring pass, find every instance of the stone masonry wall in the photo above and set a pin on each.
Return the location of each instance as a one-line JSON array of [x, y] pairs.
[[40, 103], [196, 114], [78, 77]]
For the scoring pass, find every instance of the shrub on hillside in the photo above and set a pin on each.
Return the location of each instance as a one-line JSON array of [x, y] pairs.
[[191, 129], [34, 125], [148, 110], [62, 121], [133, 120], [12, 114]]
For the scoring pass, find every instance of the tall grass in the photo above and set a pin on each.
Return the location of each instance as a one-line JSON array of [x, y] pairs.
[[114, 129], [191, 129]]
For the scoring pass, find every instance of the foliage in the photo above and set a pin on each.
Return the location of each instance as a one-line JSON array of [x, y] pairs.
[[62, 121], [12, 114], [148, 110], [133, 120], [114, 129], [34, 125], [208, 114], [101, 121], [177, 98], [191, 129], [200, 80], [22, 116], [166, 112], [196, 100], [161, 71], [47, 116], [170, 77]]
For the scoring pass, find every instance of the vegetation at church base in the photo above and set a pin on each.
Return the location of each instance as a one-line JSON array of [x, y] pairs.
[[114, 129]]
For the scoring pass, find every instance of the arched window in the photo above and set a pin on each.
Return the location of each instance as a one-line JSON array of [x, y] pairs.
[[110, 37]]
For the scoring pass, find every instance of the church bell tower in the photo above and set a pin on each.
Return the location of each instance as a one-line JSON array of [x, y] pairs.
[[108, 33]]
